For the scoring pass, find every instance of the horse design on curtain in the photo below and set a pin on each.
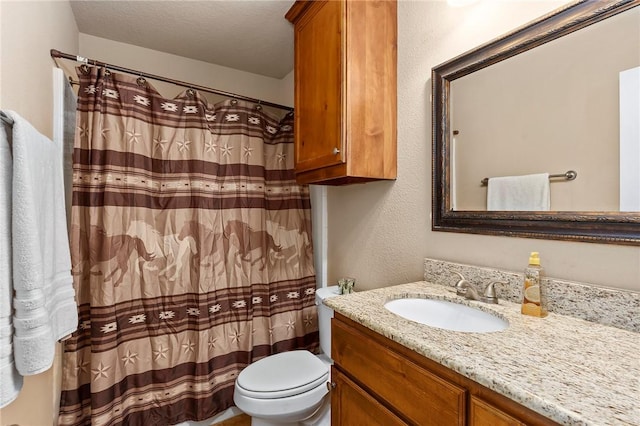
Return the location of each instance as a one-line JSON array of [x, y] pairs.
[[191, 252]]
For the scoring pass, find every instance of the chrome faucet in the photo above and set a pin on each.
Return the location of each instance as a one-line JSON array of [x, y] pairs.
[[466, 290]]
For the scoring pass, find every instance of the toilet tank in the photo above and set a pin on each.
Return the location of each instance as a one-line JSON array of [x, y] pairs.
[[324, 317]]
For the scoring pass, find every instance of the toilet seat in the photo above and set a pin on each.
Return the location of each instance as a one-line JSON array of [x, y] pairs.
[[282, 375]]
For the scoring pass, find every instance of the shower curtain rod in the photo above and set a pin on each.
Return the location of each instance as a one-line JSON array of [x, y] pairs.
[[57, 54]]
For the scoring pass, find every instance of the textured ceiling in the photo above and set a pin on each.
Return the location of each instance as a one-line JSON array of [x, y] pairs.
[[246, 35]]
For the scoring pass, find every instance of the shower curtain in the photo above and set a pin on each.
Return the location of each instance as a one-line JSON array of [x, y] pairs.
[[191, 252]]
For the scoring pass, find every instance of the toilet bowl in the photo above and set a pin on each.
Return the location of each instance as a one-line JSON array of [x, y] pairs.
[[290, 388]]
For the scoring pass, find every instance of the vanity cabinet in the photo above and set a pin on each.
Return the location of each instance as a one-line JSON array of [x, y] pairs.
[[345, 90], [373, 374]]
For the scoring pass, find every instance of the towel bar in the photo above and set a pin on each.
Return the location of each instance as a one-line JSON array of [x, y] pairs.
[[6, 119], [569, 175]]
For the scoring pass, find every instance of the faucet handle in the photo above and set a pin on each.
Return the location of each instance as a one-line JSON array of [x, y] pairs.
[[490, 292], [462, 278], [462, 284]]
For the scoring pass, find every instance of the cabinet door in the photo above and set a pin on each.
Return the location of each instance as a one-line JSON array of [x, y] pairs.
[[351, 406], [318, 78], [484, 414], [422, 397]]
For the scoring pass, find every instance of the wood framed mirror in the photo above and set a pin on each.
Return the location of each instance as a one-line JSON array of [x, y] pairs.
[[466, 135]]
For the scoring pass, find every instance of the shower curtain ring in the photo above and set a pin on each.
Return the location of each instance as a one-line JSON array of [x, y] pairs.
[[141, 81], [234, 102], [259, 106], [191, 93], [84, 68]]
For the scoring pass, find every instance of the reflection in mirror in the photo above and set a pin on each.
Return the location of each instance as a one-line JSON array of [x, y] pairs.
[[549, 110], [557, 95]]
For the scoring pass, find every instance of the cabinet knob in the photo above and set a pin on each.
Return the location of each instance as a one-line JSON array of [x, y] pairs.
[[336, 151], [331, 385]]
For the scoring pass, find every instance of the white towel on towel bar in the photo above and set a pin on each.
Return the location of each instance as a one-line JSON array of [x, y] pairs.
[[519, 193], [10, 380], [44, 302]]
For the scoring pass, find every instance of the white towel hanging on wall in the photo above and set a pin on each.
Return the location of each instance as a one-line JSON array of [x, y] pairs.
[[43, 304], [10, 379]]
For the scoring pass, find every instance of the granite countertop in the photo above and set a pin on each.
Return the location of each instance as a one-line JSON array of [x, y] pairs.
[[570, 370]]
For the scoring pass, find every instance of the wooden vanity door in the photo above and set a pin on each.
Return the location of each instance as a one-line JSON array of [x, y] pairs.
[[484, 414], [351, 405]]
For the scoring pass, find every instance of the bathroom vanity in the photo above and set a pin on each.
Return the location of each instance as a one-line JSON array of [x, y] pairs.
[[556, 370], [403, 387]]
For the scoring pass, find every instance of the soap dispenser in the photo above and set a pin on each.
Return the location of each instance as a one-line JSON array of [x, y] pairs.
[[534, 300]]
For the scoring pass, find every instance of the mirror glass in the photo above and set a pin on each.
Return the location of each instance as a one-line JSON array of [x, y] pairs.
[[558, 96], [553, 109]]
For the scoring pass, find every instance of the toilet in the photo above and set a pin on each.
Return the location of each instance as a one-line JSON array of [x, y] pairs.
[[291, 388]]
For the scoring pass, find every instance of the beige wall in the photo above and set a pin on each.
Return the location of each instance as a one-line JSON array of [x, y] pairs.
[[380, 232], [551, 109], [185, 69], [28, 30], [286, 89]]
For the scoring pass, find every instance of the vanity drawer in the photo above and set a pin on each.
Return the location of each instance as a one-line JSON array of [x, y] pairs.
[[414, 393]]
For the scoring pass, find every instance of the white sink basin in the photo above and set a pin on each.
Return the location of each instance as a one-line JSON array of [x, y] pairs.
[[446, 315]]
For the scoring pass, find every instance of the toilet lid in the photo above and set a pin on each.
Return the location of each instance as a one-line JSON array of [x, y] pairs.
[[281, 375]]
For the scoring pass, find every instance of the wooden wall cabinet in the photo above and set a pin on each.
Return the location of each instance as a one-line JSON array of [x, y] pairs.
[[377, 378], [345, 90]]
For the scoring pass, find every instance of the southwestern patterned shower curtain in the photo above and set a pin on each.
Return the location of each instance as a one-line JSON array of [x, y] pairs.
[[191, 252]]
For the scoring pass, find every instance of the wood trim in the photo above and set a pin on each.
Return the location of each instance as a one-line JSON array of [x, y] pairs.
[[599, 227], [297, 10], [483, 414], [325, 175]]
